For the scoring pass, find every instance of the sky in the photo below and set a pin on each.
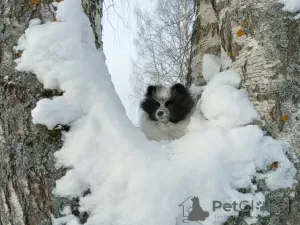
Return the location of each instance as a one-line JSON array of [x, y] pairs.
[[119, 28]]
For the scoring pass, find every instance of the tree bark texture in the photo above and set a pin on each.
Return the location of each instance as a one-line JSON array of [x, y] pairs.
[[93, 9], [205, 39], [27, 171], [262, 43]]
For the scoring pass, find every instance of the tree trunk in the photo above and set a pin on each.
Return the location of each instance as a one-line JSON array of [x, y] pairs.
[[205, 39], [27, 172], [263, 44]]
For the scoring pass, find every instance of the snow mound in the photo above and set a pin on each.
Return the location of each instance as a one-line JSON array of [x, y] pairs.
[[227, 77], [55, 111], [133, 180], [210, 66], [224, 105]]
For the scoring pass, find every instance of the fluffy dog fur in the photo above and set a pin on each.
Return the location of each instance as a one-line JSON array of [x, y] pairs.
[[166, 112]]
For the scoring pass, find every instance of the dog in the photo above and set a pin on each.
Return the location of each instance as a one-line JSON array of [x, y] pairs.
[[166, 111]]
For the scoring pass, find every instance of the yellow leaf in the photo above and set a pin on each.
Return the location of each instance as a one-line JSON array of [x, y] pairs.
[[285, 118]]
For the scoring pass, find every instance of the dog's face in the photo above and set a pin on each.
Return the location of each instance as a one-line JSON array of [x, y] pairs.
[[166, 104]]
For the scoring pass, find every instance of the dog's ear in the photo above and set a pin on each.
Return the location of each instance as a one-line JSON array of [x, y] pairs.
[[150, 91], [179, 88]]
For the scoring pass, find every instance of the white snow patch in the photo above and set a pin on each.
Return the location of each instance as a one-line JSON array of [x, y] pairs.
[[227, 77], [133, 180], [196, 90], [56, 111], [67, 219], [55, 4], [224, 105], [225, 59], [251, 220], [34, 22], [291, 6], [210, 66]]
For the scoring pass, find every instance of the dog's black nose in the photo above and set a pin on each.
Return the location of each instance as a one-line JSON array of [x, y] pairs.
[[160, 113]]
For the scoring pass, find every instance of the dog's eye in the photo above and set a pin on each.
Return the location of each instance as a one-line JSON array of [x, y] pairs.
[[157, 104], [169, 105]]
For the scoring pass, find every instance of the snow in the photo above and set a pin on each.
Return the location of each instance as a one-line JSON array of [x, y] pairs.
[[291, 6], [251, 220], [227, 77], [211, 66], [133, 180], [225, 105], [55, 111], [196, 90], [34, 22], [68, 218]]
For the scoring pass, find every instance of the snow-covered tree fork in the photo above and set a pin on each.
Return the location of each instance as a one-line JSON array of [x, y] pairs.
[[270, 68], [27, 172], [264, 45]]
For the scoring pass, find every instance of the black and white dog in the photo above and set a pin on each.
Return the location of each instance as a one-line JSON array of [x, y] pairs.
[[166, 112]]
